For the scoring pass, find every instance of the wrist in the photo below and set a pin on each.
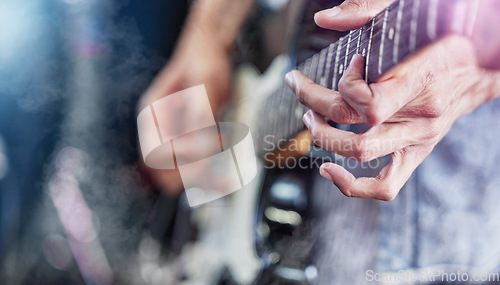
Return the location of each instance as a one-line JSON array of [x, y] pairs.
[[206, 33], [220, 20], [481, 87], [494, 84]]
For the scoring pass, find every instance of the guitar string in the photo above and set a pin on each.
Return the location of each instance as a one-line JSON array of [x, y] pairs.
[[320, 70], [341, 59], [363, 33], [391, 17], [323, 70], [405, 10], [355, 39], [362, 45]]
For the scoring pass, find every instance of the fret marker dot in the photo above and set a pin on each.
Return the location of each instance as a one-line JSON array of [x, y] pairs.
[[341, 68], [391, 34]]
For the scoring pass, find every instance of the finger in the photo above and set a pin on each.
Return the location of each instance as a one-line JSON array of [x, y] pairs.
[[351, 14], [376, 142], [322, 100], [387, 184], [377, 102], [166, 83]]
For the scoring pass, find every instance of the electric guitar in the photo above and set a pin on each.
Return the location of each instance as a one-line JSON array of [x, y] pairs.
[[391, 37], [280, 205]]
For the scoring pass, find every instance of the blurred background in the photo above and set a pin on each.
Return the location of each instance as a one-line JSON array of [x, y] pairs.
[[74, 208]]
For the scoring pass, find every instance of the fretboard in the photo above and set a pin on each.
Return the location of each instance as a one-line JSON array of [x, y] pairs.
[[387, 39]]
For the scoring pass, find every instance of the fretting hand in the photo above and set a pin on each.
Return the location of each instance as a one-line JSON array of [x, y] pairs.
[[410, 109]]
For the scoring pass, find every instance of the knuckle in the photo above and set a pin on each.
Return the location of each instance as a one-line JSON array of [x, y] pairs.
[[341, 113], [364, 150], [357, 4], [435, 107], [348, 191], [316, 135], [344, 85], [431, 130], [386, 192], [301, 91], [373, 115]]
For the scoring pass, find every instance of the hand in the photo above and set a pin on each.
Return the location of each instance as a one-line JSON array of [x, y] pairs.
[[200, 58], [410, 109]]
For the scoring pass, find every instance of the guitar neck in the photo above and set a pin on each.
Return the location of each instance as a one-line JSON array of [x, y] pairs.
[[394, 34], [390, 37]]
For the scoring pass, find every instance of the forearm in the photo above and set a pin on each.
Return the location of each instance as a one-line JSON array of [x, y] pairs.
[[221, 19]]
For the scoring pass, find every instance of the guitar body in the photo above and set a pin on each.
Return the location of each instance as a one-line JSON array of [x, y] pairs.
[[225, 251]]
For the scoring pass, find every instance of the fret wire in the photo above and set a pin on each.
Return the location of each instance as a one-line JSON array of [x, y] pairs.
[[381, 52], [414, 24], [368, 51], [293, 104], [292, 119], [266, 128], [347, 52], [269, 102], [342, 43], [432, 22], [377, 22], [284, 110], [280, 110], [274, 114], [403, 25], [376, 34], [335, 69], [378, 41], [308, 70], [292, 125], [374, 41], [375, 25], [293, 116], [353, 39], [314, 67], [359, 39], [322, 65], [308, 64], [391, 16], [398, 30], [328, 67]]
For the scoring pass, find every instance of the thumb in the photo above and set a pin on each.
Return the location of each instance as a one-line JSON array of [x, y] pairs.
[[350, 15]]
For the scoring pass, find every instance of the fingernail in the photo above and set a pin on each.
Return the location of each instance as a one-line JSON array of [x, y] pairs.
[[324, 173], [307, 118], [332, 12], [290, 80]]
